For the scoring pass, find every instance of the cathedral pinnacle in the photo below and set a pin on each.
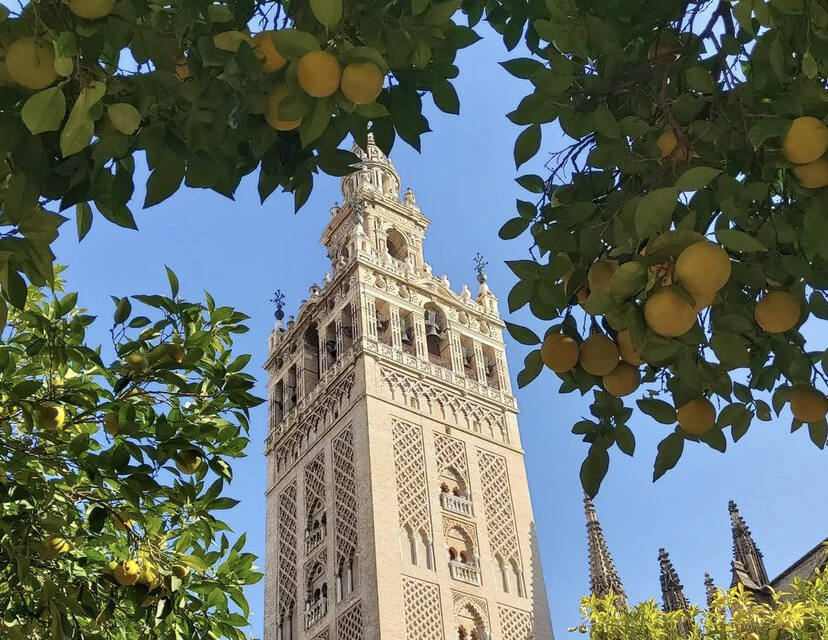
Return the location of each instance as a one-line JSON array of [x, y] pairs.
[[709, 588], [748, 566], [672, 592], [603, 577]]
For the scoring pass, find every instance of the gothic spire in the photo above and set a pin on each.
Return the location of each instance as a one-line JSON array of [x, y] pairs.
[[672, 592], [748, 566], [603, 577], [709, 588]]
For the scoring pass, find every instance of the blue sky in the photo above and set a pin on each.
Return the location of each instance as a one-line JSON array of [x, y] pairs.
[[241, 251]]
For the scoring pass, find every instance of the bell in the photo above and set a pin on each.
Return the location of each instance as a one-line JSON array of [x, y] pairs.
[[432, 329], [330, 345], [407, 335]]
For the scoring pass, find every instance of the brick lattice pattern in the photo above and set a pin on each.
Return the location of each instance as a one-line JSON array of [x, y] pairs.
[[412, 488], [423, 620], [497, 502], [287, 548], [345, 498], [515, 624]]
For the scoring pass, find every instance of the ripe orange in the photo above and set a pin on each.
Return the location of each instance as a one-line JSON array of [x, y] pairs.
[[806, 140], [668, 314], [622, 380], [598, 355], [808, 405], [276, 96], [31, 63], [813, 175], [667, 143], [361, 82], [697, 417], [627, 350], [559, 352], [777, 312], [703, 267], [318, 73], [272, 60], [91, 9], [599, 274]]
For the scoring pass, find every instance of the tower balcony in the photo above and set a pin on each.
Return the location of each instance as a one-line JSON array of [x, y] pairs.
[[315, 612], [457, 504], [314, 537], [464, 572]]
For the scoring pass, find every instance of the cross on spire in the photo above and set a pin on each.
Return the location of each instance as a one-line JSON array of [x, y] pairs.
[[603, 577]]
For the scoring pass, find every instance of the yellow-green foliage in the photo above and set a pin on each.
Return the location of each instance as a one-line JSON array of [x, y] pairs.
[[801, 614]]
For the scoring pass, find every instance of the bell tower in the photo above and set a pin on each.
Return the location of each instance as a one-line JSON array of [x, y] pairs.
[[397, 500]]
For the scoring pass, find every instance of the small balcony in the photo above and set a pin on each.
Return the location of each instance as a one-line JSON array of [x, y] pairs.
[[314, 537], [315, 612], [457, 504], [464, 572]]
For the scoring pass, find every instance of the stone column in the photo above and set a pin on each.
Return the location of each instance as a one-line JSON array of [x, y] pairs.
[[456, 350], [419, 335], [370, 317], [396, 329], [480, 362]]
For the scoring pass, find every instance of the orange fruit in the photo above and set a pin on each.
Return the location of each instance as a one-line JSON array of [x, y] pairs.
[[276, 96], [31, 63], [697, 417], [318, 73], [598, 355], [668, 314], [91, 9], [777, 312], [667, 143], [559, 352], [703, 267], [806, 140], [627, 350], [808, 405], [361, 82], [272, 60], [622, 380], [813, 175]]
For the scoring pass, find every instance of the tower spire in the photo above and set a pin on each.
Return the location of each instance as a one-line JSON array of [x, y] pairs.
[[672, 593], [603, 577], [709, 588], [748, 566]]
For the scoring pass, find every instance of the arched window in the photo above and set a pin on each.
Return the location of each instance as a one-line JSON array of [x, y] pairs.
[[311, 347], [396, 244], [437, 343]]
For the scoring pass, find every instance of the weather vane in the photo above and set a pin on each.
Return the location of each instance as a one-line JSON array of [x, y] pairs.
[[279, 300], [480, 264]]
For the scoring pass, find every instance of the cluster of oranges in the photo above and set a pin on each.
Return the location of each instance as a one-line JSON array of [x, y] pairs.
[[320, 75], [701, 270], [804, 145]]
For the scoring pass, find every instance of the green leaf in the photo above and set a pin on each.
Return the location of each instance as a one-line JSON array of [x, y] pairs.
[[627, 280], [658, 409], [83, 218], [625, 439], [293, 43], [164, 179], [522, 334], [20, 198], [809, 65], [122, 310], [522, 67], [736, 240], [445, 97], [715, 439], [124, 117], [441, 12], [532, 366], [655, 210], [669, 453], [79, 127], [527, 144], [328, 12], [696, 178], [313, 127], [532, 183], [593, 469], [44, 111], [818, 432], [605, 123], [513, 228], [173, 282]]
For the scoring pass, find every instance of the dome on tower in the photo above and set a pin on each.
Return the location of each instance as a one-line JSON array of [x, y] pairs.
[[375, 173]]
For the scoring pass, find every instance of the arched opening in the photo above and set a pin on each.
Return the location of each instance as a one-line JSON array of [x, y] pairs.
[[331, 352], [347, 327], [437, 343], [278, 404], [316, 603], [290, 389], [490, 366], [469, 359], [383, 321], [311, 347], [470, 625], [408, 544], [317, 525], [504, 574], [517, 578], [396, 244]]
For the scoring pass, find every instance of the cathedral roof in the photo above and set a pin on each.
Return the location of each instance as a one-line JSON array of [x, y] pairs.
[[603, 576]]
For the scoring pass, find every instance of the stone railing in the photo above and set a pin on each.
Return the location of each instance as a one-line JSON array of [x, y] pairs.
[[456, 504], [464, 572], [441, 373], [315, 612], [314, 537], [292, 415]]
